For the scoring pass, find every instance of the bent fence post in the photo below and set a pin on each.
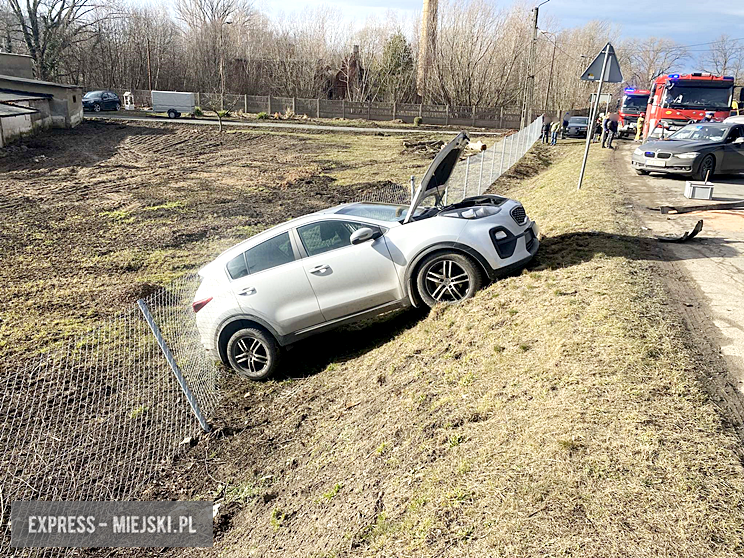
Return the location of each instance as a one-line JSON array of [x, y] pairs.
[[172, 363]]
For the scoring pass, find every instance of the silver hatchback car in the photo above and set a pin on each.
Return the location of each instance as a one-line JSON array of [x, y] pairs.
[[356, 261]]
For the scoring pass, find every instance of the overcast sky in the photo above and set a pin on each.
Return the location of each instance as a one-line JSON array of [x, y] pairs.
[[687, 21]]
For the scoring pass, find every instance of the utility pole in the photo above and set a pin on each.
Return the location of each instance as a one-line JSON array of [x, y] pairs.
[[550, 79], [149, 69], [529, 86]]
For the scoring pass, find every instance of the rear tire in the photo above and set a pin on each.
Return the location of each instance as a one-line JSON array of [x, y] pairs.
[[118, 107], [172, 114], [253, 353], [97, 107], [448, 277], [706, 169]]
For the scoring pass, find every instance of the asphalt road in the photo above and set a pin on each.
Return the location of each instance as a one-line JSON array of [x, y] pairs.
[[282, 125], [713, 262]]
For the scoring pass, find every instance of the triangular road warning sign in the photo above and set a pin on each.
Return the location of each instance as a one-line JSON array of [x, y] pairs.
[[612, 71]]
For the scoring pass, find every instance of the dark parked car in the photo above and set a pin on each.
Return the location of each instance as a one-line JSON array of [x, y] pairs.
[[577, 126], [101, 100], [698, 150]]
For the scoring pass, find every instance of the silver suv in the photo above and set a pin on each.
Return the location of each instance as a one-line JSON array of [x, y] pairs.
[[356, 261]]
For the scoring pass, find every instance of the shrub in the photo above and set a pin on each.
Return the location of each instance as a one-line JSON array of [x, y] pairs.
[[417, 121], [198, 111], [262, 116]]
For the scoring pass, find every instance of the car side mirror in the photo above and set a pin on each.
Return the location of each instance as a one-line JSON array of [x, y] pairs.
[[364, 234], [739, 140]]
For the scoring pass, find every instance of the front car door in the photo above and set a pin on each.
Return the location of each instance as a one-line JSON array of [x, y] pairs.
[[106, 101], [347, 278], [733, 153], [269, 282]]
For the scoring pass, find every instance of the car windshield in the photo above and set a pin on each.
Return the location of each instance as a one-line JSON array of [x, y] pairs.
[[92, 95], [579, 120], [682, 96], [701, 132], [380, 211], [635, 103]]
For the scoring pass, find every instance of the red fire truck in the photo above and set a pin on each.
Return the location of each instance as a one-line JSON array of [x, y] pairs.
[[677, 100], [634, 102]]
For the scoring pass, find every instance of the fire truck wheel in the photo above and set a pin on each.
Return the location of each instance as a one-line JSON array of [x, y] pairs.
[[641, 172]]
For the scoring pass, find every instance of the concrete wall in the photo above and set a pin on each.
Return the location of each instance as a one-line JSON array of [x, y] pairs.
[[18, 65], [12, 128], [66, 104]]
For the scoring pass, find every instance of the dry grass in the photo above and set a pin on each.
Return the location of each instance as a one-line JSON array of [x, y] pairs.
[[556, 414]]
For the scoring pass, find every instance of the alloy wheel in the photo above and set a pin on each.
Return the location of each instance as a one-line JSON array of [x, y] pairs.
[[251, 354], [446, 281]]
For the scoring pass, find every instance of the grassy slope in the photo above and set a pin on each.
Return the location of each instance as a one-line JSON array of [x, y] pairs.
[[556, 414]]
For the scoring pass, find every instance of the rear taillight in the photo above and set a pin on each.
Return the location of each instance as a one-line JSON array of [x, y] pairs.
[[199, 304]]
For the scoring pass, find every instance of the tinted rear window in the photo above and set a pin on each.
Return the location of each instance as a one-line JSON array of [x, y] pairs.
[[274, 252], [236, 267]]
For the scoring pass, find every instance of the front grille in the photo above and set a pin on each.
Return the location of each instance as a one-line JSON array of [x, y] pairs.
[[663, 155], [519, 215]]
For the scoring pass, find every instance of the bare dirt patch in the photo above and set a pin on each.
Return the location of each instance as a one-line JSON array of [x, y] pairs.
[[91, 216]]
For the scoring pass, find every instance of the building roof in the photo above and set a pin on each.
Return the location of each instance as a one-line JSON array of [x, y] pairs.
[[7, 111], [26, 81], [7, 95]]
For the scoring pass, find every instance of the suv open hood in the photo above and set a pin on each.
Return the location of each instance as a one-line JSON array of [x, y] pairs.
[[438, 173]]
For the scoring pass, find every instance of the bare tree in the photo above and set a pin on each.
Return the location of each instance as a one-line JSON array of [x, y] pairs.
[[723, 57], [651, 57], [49, 28]]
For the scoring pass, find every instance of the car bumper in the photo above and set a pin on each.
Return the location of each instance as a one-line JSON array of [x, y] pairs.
[[514, 251], [671, 166]]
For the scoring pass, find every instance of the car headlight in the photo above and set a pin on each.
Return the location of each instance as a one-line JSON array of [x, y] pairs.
[[638, 151], [476, 212], [690, 155]]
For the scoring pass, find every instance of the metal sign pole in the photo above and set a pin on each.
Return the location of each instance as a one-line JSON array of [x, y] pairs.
[[590, 129]]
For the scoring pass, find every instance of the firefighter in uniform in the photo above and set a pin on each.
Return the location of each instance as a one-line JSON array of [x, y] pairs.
[[639, 126]]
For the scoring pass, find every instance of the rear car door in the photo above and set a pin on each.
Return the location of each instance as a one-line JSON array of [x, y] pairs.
[[347, 278], [269, 282], [733, 153]]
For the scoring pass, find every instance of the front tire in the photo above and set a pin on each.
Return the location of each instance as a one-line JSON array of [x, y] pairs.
[[707, 168], [118, 107], [448, 277], [97, 107], [253, 353], [172, 114]]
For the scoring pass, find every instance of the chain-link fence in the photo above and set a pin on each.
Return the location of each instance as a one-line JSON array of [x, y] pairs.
[[471, 176], [96, 417]]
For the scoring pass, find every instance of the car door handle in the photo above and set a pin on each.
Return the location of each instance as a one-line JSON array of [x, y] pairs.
[[247, 291], [320, 269]]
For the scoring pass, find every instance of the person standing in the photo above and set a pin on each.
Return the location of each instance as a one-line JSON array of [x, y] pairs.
[[639, 127], [554, 129], [545, 137], [610, 131]]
